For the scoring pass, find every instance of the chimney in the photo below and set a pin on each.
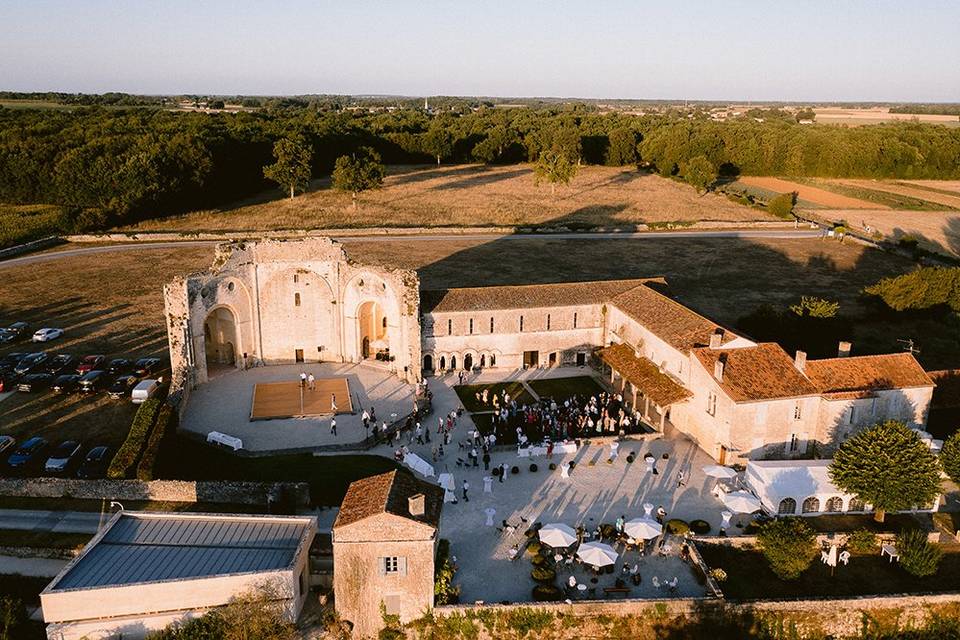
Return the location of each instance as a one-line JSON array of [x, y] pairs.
[[844, 349], [800, 361], [417, 504], [716, 338], [718, 368]]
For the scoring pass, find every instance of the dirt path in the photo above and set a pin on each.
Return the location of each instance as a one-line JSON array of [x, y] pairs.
[[808, 193]]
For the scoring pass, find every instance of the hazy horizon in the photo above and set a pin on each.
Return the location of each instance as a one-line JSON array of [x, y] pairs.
[[743, 51]]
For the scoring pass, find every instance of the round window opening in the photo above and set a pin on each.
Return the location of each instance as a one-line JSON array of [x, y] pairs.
[[231, 287]]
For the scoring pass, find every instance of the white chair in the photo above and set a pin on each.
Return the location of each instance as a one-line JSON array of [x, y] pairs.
[[845, 557], [824, 557], [656, 582], [647, 509]]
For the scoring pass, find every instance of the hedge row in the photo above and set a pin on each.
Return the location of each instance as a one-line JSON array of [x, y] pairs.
[[163, 430], [125, 460]]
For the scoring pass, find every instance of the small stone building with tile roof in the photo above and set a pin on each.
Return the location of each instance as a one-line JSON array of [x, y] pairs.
[[384, 548]]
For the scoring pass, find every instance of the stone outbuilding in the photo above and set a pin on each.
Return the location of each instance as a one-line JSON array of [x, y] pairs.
[[384, 548]]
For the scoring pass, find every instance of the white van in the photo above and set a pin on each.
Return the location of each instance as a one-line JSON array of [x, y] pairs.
[[143, 390]]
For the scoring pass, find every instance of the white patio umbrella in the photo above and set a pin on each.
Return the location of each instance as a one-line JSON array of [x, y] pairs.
[[558, 535], [597, 554], [719, 471], [741, 502], [643, 528]]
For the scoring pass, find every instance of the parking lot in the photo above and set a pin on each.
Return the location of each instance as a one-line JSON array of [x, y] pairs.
[[108, 307]]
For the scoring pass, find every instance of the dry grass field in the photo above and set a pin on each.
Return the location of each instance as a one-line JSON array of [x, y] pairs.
[[112, 303], [107, 304], [805, 192], [876, 115], [922, 194], [474, 195], [937, 231], [943, 186]]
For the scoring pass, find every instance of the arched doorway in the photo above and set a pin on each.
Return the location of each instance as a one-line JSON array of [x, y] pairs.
[[443, 363], [483, 360], [428, 362], [372, 329], [453, 362], [787, 507], [468, 362], [220, 339]]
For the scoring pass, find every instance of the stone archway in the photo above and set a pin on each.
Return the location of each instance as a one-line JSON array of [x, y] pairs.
[[372, 329], [468, 362], [220, 338], [428, 362]]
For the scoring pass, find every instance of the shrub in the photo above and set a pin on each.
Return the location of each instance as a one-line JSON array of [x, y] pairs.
[[496, 472], [789, 545], [950, 456], [533, 468], [718, 575], [700, 527], [163, 432], [534, 547], [677, 527], [543, 575], [127, 455], [782, 206], [444, 591], [538, 560], [546, 593], [862, 541], [515, 470], [630, 458], [608, 530], [917, 555]]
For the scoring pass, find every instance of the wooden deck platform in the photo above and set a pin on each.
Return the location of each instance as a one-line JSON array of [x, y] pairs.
[[288, 400]]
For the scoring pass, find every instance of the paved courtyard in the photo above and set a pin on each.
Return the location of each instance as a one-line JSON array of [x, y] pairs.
[[224, 403]]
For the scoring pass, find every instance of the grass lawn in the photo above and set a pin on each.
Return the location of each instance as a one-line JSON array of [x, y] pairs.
[[80, 504], [47, 539], [750, 578], [562, 388], [328, 476], [25, 589], [468, 394]]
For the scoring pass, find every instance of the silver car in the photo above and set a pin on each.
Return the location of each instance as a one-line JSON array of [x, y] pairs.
[[63, 456]]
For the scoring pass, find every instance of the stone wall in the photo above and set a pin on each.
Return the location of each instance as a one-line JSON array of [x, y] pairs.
[[29, 247], [252, 493]]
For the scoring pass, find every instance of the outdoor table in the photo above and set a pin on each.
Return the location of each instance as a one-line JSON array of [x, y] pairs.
[[647, 509], [581, 588], [890, 550], [490, 511]]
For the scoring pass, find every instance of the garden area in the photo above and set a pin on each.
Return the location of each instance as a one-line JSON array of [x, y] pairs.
[[560, 389], [468, 394]]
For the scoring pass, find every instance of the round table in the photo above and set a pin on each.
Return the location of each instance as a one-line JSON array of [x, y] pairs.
[[581, 587]]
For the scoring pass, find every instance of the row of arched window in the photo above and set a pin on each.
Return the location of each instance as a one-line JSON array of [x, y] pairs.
[[788, 506], [468, 362]]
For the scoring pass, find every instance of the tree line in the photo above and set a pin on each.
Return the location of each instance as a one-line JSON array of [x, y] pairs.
[[117, 165]]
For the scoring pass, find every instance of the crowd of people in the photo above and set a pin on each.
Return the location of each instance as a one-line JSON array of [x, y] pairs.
[[549, 420]]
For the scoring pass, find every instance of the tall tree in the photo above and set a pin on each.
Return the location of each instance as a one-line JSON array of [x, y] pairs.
[[814, 307], [888, 466], [789, 545], [438, 141], [622, 149], [358, 172], [292, 169], [699, 173], [554, 167]]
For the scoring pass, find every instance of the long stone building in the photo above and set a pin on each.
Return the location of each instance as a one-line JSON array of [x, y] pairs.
[[280, 302]]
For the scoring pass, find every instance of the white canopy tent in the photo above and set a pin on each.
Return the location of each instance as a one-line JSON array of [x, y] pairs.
[[803, 487], [418, 464]]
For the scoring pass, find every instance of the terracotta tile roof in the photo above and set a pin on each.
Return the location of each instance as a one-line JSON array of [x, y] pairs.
[[763, 372], [389, 493], [675, 324], [645, 375], [530, 296], [859, 373]]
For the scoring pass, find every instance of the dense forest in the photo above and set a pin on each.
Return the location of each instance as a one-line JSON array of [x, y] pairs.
[[110, 165]]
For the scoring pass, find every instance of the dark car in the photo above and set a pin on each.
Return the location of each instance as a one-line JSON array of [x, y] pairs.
[[67, 383], [28, 454], [95, 463], [89, 363], [146, 366], [120, 366], [9, 361], [60, 363], [122, 386], [63, 457], [7, 336], [14, 331], [34, 382], [30, 362], [94, 381]]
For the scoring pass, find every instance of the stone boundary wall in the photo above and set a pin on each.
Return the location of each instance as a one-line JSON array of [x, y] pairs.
[[223, 236], [250, 493], [29, 247], [50, 553], [841, 617]]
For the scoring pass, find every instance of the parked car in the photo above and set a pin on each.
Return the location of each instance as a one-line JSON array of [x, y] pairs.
[[67, 383], [63, 457], [34, 382], [28, 453], [7, 336], [8, 381], [95, 463], [119, 366], [47, 334], [89, 363], [122, 386], [14, 331], [143, 390], [145, 366], [6, 443], [94, 381], [61, 363], [30, 362]]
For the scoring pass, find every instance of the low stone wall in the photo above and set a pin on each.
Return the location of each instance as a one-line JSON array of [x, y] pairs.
[[50, 553], [29, 247], [251, 493]]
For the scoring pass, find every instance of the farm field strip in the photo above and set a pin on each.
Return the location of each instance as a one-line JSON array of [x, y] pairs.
[[900, 189], [807, 192]]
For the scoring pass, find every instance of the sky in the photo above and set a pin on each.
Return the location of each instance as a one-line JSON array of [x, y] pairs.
[[814, 50]]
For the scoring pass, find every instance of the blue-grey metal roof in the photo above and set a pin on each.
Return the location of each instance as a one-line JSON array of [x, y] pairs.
[[141, 548]]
